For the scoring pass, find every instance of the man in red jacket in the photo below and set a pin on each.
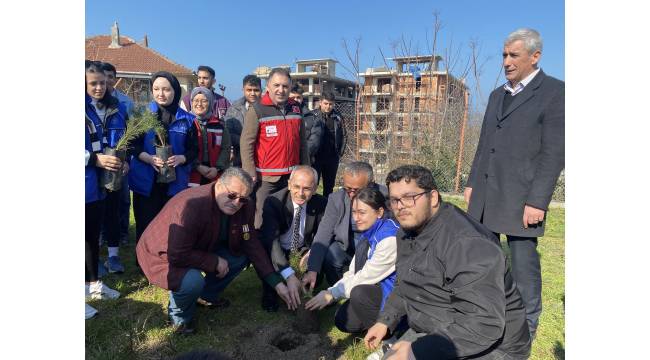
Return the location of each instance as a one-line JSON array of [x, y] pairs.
[[205, 229], [273, 141]]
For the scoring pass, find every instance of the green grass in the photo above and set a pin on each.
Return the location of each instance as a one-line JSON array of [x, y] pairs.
[[133, 326]]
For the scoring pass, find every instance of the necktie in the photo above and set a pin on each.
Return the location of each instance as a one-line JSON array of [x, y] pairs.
[[295, 237]]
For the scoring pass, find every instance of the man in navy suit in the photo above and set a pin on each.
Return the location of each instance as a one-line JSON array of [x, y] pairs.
[[519, 158], [289, 222]]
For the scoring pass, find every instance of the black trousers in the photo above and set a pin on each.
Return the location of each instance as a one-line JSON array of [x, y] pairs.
[[262, 191], [360, 312], [111, 231], [527, 273], [326, 167], [94, 214], [145, 208]]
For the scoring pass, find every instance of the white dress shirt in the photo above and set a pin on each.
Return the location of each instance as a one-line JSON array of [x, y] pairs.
[[285, 239], [521, 85]]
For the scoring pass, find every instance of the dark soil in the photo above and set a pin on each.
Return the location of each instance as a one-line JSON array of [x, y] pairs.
[[306, 321], [281, 342]]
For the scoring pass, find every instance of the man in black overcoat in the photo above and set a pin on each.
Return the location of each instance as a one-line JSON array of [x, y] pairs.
[[519, 158]]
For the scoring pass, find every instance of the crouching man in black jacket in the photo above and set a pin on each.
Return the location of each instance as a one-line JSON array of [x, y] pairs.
[[453, 282]]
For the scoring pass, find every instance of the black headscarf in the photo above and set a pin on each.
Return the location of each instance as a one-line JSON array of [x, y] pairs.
[[167, 114]]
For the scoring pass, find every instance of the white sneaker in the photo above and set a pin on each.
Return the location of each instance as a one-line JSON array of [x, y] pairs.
[[98, 290], [90, 311], [383, 349]]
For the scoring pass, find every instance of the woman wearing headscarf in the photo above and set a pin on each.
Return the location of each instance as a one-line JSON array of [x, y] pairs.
[[213, 139], [371, 276], [149, 196], [105, 124]]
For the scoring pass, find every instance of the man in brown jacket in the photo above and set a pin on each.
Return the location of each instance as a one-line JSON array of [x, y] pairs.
[[205, 229], [273, 140]]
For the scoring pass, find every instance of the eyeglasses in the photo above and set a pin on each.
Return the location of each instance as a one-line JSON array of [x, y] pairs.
[[406, 200], [199, 101], [350, 190], [234, 196]]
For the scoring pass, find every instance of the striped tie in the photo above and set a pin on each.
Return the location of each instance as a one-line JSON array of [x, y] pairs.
[[295, 237]]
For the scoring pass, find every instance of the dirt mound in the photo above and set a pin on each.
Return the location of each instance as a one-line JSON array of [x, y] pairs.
[[283, 342]]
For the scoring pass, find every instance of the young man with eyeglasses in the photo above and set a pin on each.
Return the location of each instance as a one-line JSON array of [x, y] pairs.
[[453, 283], [335, 241], [206, 229]]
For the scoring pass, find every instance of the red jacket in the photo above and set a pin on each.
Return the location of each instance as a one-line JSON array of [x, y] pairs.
[[185, 233], [277, 149], [212, 138]]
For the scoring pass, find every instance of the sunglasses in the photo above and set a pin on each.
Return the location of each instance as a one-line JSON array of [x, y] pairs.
[[234, 196]]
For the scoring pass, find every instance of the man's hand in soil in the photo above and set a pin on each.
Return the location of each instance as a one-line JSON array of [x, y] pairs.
[[293, 284], [283, 293], [374, 336], [400, 351], [309, 280], [319, 301], [176, 160], [222, 267], [108, 162]]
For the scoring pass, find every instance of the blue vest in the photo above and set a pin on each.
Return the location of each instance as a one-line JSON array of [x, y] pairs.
[[380, 230], [93, 192], [141, 175]]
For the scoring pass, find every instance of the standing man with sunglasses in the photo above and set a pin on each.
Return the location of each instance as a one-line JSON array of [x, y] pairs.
[[453, 283], [206, 229], [335, 241]]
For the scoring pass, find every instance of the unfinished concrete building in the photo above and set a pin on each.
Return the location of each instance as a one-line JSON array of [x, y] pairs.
[[316, 77], [412, 113]]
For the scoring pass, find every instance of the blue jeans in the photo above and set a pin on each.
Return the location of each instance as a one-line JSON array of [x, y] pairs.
[[182, 303]]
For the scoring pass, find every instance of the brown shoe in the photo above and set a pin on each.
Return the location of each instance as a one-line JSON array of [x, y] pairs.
[[184, 329]]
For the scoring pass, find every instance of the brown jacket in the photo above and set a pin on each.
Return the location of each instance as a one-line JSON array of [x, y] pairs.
[[185, 233]]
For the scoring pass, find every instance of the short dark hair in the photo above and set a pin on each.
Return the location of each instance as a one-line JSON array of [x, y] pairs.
[[281, 71], [109, 67], [297, 89], [95, 67], [422, 176], [206, 68], [372, 197], [252, 80], [328, 96]]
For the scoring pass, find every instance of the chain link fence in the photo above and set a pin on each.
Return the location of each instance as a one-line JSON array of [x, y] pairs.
[[443, 139]]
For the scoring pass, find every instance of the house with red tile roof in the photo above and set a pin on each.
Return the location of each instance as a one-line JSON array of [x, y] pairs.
[[135, 63]]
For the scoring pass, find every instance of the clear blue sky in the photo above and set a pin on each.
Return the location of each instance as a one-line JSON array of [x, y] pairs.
[[234, 37]]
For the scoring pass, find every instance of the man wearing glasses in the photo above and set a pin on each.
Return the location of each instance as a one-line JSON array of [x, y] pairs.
[[453, 283], [206, 229], [335, 240]]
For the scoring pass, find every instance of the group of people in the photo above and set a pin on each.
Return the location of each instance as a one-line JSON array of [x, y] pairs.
[[422, 278]]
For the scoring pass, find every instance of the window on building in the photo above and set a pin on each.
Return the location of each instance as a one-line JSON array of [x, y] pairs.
[[402, 101], [418, 83], [383, 85], [400, 124], [416, 106], [383, 103], [380, 123]]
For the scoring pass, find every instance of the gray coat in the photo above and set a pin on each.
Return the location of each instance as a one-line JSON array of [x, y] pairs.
[[235, 124], [519, 157], [335, 226]]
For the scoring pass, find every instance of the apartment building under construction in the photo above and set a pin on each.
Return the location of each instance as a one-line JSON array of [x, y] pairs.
[[415, 112]]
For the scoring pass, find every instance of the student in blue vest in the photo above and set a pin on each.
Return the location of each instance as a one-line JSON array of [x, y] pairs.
[[371, 276], [97, 101], [149, 196]]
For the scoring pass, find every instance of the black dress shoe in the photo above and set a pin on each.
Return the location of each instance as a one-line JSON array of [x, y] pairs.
[[220, 303], [270, 302]]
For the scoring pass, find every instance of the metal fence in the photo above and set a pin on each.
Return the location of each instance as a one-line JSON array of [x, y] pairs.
[[443, 140]]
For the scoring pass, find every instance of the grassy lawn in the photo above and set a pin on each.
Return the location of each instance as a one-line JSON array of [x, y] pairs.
[[133, 326]]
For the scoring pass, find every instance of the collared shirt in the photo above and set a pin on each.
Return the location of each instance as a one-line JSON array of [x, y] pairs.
[[247, 104], [521, 85], [285, 239]]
